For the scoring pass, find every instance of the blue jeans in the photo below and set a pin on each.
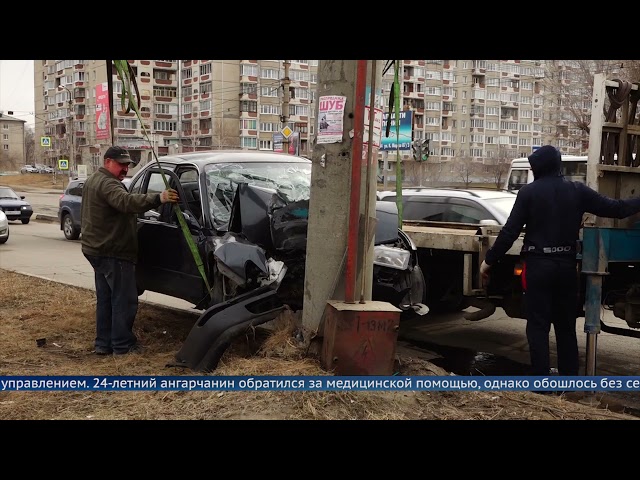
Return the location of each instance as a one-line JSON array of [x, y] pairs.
[[117, 303]]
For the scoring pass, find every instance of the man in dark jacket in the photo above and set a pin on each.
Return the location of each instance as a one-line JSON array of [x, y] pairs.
[[552, 209], [110, 243]]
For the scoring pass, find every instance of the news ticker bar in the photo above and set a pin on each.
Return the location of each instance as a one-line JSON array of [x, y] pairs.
[[320, 383]]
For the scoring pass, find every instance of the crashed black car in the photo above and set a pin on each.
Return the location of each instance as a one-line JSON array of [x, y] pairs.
[[247, 213]]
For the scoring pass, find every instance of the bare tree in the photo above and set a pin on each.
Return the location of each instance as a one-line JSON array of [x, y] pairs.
[[467, 169], [224, 134], [567, 92], [30, 146], [500, 166], [433, 172], [412, 172]]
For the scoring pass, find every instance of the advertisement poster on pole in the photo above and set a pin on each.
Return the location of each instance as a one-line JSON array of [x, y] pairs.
[[402, 141], [103, 121], [294, 143], [330, 118]]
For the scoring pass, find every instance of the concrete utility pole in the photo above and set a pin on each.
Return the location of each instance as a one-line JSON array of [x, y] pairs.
[[285, 103], [330, 193], [69, 133]]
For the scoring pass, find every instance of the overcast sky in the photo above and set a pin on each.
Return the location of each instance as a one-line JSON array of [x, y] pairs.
[[16, 89]]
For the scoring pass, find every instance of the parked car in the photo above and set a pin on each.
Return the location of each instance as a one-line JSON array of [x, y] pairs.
[[248, 213], [69, 209], [14, 206], [4, 228], [29, 169], [472, 206]]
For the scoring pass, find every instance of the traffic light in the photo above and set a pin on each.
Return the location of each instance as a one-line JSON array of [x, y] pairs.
[[421, 150], [417, 154], [424, 153]]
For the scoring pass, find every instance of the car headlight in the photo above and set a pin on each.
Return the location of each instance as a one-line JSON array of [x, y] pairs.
[[392, 257], [24, 207]]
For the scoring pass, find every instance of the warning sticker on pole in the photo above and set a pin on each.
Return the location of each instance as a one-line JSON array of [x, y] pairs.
[[330, 118]]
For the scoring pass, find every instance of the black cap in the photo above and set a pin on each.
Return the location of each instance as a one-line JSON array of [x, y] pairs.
[[118, 154]]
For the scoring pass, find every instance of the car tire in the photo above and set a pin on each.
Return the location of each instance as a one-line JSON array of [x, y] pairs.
[[25, 220], [4, 240], [70, 232]]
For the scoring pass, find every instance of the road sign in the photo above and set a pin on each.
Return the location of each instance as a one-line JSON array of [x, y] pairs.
[[45, 141], [63, 164], [286, 131]]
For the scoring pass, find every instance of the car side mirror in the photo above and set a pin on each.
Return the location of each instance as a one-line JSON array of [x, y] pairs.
[[488, 222]]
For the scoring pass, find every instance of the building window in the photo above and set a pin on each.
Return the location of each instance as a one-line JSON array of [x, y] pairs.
[[165, 126], [164, 92], [247, 70], [248, 106], [266, 145], [128, 123], [269, 91], [270, 73], [206, 87], [205, 69], [249, 142]]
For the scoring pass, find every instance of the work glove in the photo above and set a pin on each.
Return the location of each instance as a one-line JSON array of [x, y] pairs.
[[484, 271], [169, 195]]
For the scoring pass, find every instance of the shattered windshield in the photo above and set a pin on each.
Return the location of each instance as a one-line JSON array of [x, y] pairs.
[[291, 181]]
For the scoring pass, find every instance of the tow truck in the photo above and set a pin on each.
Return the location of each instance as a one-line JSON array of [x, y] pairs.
[[609, 262]]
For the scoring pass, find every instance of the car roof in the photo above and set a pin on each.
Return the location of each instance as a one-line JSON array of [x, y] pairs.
[[484, 193], [226, 156]]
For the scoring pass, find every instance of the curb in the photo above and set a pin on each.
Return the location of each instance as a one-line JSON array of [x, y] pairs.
[[195, 313], [46, 218]]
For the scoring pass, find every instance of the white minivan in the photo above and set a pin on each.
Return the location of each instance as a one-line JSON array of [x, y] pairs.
[[573, 168]]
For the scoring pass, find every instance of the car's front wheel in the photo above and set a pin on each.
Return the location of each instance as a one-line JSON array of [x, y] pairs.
[[70, 232], [25, 220]]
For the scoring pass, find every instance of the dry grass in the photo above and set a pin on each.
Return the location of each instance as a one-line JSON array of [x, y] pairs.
[[33, 308], [41, 180]]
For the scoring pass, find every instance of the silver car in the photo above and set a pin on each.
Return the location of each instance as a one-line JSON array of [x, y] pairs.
[[4, 228]]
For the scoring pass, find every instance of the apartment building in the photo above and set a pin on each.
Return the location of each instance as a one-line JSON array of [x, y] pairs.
[[476, 114], [186, 105], [12, 149], [71, 110]]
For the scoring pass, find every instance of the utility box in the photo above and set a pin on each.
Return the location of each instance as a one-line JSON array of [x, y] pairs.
[[360, 338]]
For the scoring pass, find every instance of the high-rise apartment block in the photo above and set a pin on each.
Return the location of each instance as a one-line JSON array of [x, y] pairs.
[[476, 114]]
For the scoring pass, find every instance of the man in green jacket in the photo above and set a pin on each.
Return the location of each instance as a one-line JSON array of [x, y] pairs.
[[110, 243]]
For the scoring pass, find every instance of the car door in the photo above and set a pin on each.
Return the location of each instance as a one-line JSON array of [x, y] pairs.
[[165, 261], [462, 210], [74, 201], [423, 207]]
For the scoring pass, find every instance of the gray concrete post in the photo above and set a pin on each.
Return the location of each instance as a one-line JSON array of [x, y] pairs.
[[329, 204]]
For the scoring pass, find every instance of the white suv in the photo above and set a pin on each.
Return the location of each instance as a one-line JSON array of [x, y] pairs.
[[453, 205]]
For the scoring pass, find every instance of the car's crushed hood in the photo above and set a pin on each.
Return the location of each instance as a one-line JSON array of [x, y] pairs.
[[267, 219], [266, 237]]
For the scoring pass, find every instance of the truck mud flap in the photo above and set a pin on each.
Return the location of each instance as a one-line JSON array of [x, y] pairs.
[[216, 328]]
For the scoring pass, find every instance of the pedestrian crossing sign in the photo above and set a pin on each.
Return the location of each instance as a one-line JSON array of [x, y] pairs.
[[45, 141], [63, 164]]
